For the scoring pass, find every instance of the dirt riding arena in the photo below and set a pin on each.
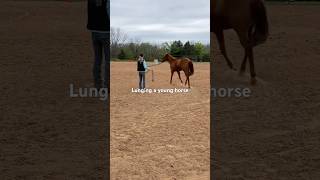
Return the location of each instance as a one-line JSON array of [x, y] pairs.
[[274, 134], [159, 135]]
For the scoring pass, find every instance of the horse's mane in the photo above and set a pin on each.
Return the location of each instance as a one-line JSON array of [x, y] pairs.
[[170, 56], [177, 58]]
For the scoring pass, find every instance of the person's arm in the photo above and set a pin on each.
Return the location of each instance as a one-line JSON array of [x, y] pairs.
[[137, 65], [145, 65]]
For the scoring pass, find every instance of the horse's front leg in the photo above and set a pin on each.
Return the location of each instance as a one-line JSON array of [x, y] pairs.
[[222, 47], [171, 77], [180, 77]]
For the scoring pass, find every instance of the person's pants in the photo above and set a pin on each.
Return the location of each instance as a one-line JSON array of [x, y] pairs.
[[142, 80], [101, 49]]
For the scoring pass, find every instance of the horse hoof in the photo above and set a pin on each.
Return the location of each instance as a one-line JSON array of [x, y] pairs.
[[253, 81]]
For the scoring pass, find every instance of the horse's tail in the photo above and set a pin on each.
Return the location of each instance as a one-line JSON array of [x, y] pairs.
[[261, 27], [191, 70]]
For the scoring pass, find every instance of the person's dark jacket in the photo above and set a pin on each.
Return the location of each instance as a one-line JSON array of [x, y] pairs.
[[98, 15], [140, 66]]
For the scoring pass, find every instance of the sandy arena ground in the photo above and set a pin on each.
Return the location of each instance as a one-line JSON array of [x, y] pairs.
[[159, 135], [45, 134], [275, 133]]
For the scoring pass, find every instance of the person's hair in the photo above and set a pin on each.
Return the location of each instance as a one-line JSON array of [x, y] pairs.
[[141, 55]]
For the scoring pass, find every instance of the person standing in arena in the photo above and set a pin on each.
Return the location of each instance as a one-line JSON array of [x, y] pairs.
[[99, 26], [142, 69]]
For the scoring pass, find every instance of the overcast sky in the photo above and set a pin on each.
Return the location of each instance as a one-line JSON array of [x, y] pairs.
[[157, 21]]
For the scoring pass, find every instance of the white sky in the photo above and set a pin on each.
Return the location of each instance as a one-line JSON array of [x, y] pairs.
[[157, 21]]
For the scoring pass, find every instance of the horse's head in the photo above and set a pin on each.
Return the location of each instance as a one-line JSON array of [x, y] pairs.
[[166, 57]]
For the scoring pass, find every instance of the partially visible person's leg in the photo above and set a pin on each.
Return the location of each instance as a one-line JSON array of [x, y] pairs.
[[97, 47], [140, 80], [105, 41], [143, 80]]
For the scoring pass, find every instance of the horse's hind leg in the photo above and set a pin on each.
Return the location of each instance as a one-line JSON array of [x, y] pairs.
[[252, 71], [244, 63], [186, 73], [187, 81], [180, 77], [222, 47]]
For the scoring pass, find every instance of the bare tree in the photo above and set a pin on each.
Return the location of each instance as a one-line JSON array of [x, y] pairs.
[[117, 36], [134, 45], [117, 39]]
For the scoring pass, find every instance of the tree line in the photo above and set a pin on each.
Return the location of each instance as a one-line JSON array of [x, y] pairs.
[[123, 48]]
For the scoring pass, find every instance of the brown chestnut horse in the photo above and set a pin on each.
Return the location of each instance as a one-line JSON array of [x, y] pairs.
[[248, 18], [180, 64]]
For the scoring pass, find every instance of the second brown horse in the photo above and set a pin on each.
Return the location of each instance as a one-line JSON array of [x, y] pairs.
[[180, 64], [248, 18]]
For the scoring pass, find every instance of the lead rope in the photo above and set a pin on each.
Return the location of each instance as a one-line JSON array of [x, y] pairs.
[[155, 64], [152, 73]]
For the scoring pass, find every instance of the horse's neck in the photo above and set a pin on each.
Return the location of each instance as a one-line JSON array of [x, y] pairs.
[[171, 60]]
